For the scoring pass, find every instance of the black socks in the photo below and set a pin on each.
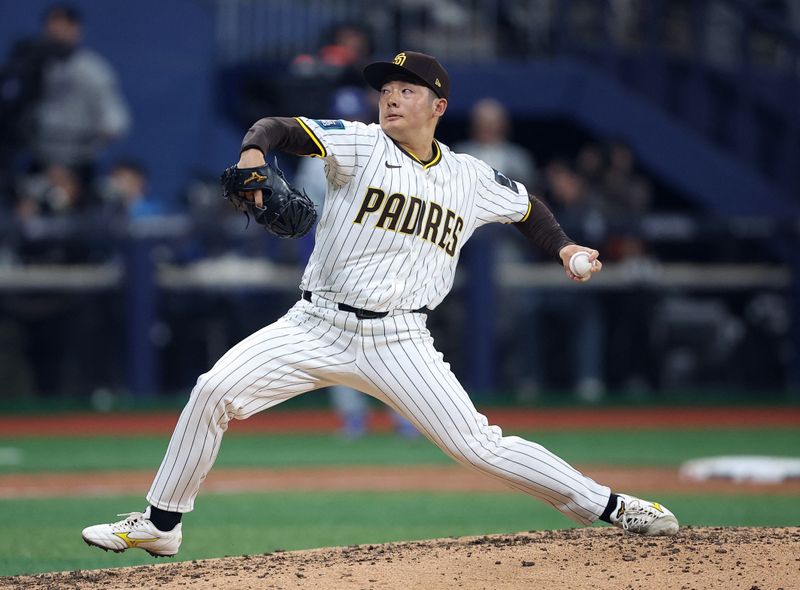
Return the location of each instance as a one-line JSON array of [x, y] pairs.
[[164, 521], [610, 507]]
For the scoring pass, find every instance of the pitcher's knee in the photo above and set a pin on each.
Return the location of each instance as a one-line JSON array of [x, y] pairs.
[[209, 401], [476, 452]]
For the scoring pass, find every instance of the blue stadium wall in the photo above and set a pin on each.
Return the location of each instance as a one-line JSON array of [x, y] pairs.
[[164, 54]]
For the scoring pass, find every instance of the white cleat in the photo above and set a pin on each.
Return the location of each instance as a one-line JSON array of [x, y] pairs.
[[135, 531], [643, 517]]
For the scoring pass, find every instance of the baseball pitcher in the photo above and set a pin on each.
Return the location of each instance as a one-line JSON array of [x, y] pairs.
[[399, 208]]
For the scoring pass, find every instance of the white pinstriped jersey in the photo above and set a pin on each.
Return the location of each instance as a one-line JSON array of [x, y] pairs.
[[392, 227], [388, 239]]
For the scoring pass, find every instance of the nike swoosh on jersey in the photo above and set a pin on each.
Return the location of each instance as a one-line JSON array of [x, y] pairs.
[[388, 165]]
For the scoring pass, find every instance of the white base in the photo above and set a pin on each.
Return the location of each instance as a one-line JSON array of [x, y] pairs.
[[743, 468]]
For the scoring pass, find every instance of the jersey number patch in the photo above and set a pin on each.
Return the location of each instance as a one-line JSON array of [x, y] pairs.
[[505, 181]]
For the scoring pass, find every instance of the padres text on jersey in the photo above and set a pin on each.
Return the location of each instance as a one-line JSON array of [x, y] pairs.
[[391, 221]]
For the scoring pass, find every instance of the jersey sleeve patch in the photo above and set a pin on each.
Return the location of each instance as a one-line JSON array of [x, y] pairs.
[[330, 123], [505, 181]]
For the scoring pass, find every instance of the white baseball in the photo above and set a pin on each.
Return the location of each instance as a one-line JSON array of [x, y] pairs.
[[580, 265]]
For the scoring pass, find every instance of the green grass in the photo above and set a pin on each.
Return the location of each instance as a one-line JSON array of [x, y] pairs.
[[658, 447], [259, 523], [43, 534]]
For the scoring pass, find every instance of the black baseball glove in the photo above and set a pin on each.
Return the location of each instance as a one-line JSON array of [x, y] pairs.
[[287, 212]]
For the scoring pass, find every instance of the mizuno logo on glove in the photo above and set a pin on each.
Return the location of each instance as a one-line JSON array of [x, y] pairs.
[[285, 212], [254, 177]]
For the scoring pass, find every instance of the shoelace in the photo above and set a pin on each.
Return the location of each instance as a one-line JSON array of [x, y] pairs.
[[637, 514], [131, 518]]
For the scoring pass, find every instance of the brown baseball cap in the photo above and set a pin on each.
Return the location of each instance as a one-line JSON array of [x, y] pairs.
[[418, 66]]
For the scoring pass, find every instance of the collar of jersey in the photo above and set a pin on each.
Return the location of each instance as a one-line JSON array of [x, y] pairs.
[[435, 158]]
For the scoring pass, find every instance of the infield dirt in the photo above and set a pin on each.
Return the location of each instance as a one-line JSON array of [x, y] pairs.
[[577, 559]]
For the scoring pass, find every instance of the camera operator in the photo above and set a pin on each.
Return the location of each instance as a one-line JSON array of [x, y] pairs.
[[59, 101]]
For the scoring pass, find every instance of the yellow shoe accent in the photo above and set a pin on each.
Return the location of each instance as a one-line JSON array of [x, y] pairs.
[[134, 542]]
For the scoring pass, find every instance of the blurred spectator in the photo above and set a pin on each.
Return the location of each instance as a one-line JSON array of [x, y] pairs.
[[311, 79], [591, 164], [353, 410], [76, 108], [51, 210], [524, 27], [626, 191], [627, 197], [447, 27], [489, 141], [580, 335], [347, 48], [21, 81], [55, 191], [125, 191], [577, 204], [60, 334]]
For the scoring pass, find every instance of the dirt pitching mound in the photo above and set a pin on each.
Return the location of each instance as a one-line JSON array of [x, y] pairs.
[[749, 558]]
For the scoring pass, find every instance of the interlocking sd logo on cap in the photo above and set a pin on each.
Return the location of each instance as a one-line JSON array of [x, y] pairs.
[[418, 66]]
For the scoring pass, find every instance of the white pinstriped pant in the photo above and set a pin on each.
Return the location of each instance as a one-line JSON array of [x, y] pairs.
[[392, 359]]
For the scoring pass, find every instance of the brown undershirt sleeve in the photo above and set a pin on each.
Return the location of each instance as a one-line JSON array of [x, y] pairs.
[[543, 230], [283, 134]]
